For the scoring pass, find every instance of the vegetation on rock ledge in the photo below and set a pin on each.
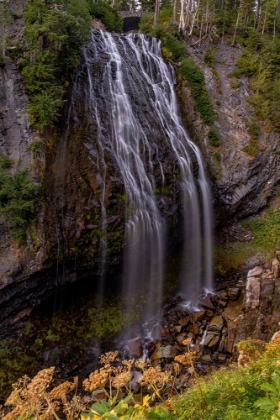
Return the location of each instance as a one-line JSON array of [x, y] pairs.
[[17, 195]]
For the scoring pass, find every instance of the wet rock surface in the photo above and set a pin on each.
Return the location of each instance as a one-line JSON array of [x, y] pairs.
[[251, 309]]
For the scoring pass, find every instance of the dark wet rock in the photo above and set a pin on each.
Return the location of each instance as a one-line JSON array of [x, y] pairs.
[[214, 341], [205, 302], [198, 316], [233, 293], [206, 358], [135, 347], [98, 395], [209, 337], [222, 358], [220, 300], [181, 337], [178, 328], [164, 352], [184, 321], [216, 324]]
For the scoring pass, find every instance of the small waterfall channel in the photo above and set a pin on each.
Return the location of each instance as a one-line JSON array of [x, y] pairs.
[[133, 102]]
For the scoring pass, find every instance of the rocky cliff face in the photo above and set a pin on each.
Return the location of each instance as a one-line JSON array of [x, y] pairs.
[[243, 183], [68, 232]]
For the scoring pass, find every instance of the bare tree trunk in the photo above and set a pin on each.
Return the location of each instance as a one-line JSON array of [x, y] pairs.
[[236, 26], [175, 6], [278, 8], [156, 13], [264, 21]]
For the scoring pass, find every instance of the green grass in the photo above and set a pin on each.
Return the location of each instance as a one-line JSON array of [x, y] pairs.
[[266, 237], [231, 393]]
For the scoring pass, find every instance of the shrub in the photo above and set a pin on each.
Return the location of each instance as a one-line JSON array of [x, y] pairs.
[[195, 77], [253, 129], [53, 45], [248, 64], [17, 195], [252, 148], [234, 82], [214, 137], [178, 49], [107, 15], [210, 58]]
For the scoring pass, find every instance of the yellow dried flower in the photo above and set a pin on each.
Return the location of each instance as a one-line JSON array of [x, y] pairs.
[[96, 380], [121, 380], [154, 376], [186, 358], [186, 342], [109, 357], [276, 340], [60, 391], [128, 363], [141, 364]]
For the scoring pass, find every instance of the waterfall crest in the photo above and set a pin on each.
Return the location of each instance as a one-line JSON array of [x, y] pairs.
[[135, 73]]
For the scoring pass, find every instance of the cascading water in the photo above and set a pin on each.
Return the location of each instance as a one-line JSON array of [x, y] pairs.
[[135, 70]]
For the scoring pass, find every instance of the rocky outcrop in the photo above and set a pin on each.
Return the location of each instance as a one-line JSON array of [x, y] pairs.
[[243, 183]]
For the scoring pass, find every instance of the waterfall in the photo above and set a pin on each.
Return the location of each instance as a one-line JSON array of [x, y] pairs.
[[133, 84]]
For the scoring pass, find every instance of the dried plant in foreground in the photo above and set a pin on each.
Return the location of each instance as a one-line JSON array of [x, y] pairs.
[[32, 398]]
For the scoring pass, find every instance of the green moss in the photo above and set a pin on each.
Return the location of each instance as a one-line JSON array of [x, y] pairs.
[[214, 137]]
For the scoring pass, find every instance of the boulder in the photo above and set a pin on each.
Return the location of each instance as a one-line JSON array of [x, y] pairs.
[[253, 289], [164, 352], [255, 272], [205, 302], [198, 316], [136, 380], [135, 347], [233, 293], [216, 324]]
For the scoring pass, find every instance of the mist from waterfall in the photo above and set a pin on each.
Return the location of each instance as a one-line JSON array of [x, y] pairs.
[[135, 70]]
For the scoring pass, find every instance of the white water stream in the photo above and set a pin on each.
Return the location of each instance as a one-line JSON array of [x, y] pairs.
[[135, 66]]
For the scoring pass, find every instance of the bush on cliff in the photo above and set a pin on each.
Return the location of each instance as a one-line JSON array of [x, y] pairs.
[[17, 194]]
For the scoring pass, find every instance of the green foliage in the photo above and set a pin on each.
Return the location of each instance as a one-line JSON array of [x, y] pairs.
[[260, 61], [177, 48], [17, 195], [253, 129], [233, 393], [234, 82], [107, 15], [35, 147], [210, 58], [195, 77], [252, 148], [176, 51], [265, 230], [54, 38], [271, 402], [214, 137]]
